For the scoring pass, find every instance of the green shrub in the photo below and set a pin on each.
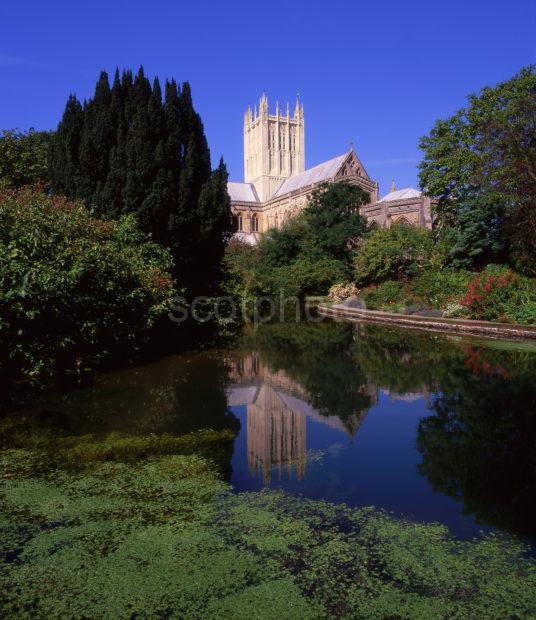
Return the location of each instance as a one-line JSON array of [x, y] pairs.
[[524, 314], [498, 293], [307, 275], [439, 287], [399, 252], [73, 289], [387, 294]]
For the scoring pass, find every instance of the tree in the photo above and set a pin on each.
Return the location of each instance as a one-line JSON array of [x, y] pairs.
[[483, 160], [23, 157], [130, 150], [334, 219], [309, 253], [399, 252], [480, 237]]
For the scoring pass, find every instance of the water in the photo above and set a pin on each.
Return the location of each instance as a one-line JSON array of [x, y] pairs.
[[425, 426]]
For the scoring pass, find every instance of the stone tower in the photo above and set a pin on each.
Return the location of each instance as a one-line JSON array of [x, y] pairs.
[[274, 147]]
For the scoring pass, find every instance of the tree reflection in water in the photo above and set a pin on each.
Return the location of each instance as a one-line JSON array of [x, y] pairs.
[[479, 446]]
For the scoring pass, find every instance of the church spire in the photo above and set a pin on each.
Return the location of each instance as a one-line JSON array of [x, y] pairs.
[[393, 186]]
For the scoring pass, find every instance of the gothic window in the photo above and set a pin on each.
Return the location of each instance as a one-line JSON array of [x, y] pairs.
[[255, 224], [282, 137], [240, 222]]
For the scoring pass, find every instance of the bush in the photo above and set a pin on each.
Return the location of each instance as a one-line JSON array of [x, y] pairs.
[[395, 253], [342, 291], [500, 294], [387, 294], [438, 288], [73, 288], [307, 275], [23, 157]]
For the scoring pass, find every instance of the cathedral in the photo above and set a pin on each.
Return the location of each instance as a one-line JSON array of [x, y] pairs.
[[277, 185]]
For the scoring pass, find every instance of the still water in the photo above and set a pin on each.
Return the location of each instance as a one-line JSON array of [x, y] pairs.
[[428, 427]]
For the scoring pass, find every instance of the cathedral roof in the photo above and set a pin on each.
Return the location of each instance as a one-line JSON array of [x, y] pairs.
[[242, 192], [402, 194], [322, 172]]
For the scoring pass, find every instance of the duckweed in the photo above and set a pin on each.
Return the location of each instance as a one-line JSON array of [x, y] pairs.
[[125, 527]]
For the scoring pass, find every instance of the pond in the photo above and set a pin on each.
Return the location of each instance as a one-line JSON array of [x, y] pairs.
[[428, 427]]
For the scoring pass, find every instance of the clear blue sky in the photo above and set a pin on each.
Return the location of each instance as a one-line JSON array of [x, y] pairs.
[[377, 73]]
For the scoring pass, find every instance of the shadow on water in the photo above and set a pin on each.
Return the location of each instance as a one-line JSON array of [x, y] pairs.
[[427, 426]]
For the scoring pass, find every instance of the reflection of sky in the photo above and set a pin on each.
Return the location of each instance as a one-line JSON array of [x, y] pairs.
[[376, 467]]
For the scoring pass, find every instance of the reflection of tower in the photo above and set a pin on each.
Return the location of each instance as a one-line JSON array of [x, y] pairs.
[[276, 435], [277, 410]]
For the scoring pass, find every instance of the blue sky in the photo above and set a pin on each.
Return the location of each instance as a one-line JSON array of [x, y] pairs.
[[377, 73]]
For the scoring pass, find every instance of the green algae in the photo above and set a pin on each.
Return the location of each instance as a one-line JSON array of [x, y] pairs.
[[129, 532]]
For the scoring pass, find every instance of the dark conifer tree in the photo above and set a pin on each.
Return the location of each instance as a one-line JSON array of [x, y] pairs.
[[64, 154], [128, 151], [214, 217]]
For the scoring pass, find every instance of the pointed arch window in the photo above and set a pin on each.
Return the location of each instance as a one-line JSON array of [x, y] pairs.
[[240, 222], [255, 223]]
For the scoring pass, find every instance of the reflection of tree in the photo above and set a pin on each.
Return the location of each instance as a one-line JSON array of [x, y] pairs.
[[480, 446], [319, 358], [404, 361], [176, 395]]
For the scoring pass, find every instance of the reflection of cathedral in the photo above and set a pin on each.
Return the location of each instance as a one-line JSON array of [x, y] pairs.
[[277, 410], [276, 435]]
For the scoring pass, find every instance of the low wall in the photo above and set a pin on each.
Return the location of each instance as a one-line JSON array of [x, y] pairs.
[[436, 324]]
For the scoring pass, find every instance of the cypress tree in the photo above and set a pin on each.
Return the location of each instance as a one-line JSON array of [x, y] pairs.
[[214, 217], [111, 201], [64, 154], [102, 139], [128, 151]]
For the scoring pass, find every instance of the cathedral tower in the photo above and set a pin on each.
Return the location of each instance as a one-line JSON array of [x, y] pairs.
[[274, 147]]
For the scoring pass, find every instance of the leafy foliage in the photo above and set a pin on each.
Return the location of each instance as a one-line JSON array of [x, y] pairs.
[[74, 288], [498, 293], [382, 296], [131, 149], [308, 253], [333, 217], [399, 252], [480, 165], [23, 157]]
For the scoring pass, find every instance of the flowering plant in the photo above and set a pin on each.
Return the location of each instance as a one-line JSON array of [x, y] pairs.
[[487, 293], [342, 291]]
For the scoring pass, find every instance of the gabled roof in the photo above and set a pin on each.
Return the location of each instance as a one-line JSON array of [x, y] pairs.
[[242, 192], [402, 194], [319, 173]]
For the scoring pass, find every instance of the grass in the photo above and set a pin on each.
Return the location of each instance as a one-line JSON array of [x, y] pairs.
[[109, 527]]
